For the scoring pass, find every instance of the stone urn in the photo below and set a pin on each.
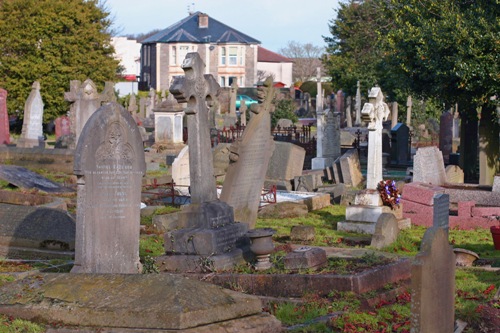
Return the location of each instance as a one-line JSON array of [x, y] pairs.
[[262, 245]]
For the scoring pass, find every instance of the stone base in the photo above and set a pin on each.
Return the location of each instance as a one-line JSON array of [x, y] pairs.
[[198, 263], [360, 227], [133, 303], [320, 163]]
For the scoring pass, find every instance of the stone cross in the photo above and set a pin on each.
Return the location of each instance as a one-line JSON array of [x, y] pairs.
[[195, 88], [32, 132], [319, 95], [357, 105], [409, 104], [132, 105], [375, 112], [4, 118]]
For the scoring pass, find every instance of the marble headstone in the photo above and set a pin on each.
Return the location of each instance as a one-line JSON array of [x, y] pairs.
[[32, 132]]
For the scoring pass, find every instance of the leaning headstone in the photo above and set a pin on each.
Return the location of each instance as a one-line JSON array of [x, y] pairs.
[[428, 166], [350, 168], [386, 231], [4, 119], [286, 163], [249, 159], [433, 284], [208, 228], [110, 164], [454, 174], [375, 112], [32, 132]]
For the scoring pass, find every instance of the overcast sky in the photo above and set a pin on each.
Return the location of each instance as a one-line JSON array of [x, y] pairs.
[[272, 22]]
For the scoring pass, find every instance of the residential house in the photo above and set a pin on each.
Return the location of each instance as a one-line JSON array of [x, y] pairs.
[[128, 51], [228, 54], [280, 67]]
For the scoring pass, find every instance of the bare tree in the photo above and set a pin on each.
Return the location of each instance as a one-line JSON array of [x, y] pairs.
[[306, 58], [263, 75]]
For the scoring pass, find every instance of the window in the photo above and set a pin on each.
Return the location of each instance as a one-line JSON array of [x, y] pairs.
[[222, 81], [231, 80], [223, 56], [173, 59], [183, 51], [233, 55]]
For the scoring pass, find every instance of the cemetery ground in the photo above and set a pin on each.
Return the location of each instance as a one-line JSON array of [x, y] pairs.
[[384, 310]]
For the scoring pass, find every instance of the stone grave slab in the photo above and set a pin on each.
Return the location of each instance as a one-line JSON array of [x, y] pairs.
[[27, 179], [305, 257], [118, 302], [109, 164], [302, 233], [36, 232], [433, 284]]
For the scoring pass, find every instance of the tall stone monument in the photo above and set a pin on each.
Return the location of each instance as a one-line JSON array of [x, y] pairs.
[[374, 112], [86, 100], [4, 119], [232, 99], [357, 105], [249, 159], [32, 132], [394, 114], [446, 134], [109, 163], [207, 225], [409, 105]]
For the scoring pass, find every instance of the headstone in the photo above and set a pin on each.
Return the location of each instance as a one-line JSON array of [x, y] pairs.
[[375, 112], [284, 123], [454, 174], [132, 105], [208, 227], [348, 112], [441, 211], [409, 104], [386, 231], [302, 233], [109, 163], [32, 132], [249, 160], [150, 103], [400, 145], [169, 123], [27, 179], [4, 119], [394, 114], [428, 166], [180, 168], [357, 105], [350, 168], [496, 184], [142, 107], [40, 231], [86, 100], [456, 124], [433, 284], [286, 163], [63, 126], [446, 135], [319, 94], [340, 107], [232, 99], [305, 257], [331, 138]]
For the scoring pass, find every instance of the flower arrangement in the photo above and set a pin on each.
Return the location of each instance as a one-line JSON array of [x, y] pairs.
[[389, 193]]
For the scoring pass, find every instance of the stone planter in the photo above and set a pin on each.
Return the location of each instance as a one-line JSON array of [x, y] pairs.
[[465, 258], [495, 233], [262, 246]]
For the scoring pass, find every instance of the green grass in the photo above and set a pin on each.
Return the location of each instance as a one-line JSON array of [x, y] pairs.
[[11, 325]]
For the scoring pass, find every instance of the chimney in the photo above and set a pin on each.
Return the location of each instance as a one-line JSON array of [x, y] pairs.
[[202, 20]]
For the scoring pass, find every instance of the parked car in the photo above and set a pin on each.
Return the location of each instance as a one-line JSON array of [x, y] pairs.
[[247, 99]]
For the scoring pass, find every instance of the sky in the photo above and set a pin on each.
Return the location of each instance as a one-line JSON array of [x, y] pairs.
[[273, 22]]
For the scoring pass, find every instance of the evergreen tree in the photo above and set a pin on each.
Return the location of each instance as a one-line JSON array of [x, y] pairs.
[[53, 41]]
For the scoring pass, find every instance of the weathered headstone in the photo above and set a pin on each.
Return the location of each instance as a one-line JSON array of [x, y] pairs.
[[446, 134], [32, 132], [350, 169], [441, 214], [109, 163], [496, 184], [375, 112], [132, 105], [428, 166], [357, 105], [386, 231], [208, 227], [150, 103], [180, 168], [331, 138], [340, 108], [63, 126], [4, 119], [286, 163], [433, 284], [249, 158]]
